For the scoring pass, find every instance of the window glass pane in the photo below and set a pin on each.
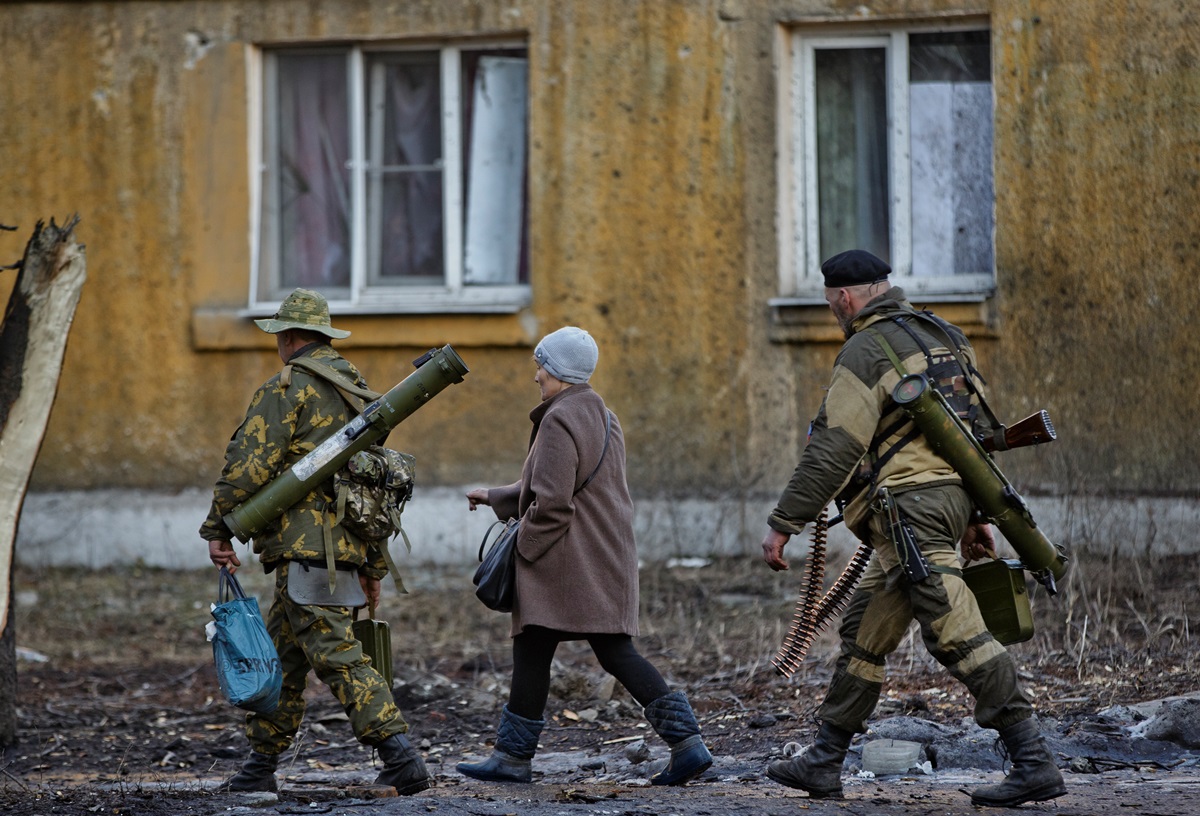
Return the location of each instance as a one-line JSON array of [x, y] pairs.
[[405, 175], [950, 104], [410, 236], [306, 201], [495, 112], [852, 150], [950, 56]]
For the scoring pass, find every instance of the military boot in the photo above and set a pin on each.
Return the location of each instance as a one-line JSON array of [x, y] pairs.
[[257, 774], [512, 760], [819, 769], [403, 768], [672, 718], [1034, 776]]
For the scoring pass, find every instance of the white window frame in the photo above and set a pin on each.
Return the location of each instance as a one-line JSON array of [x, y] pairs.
[[800, 281], [455, 296]]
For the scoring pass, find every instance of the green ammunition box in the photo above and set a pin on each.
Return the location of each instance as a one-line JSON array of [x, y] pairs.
[[1003, 598], [376, 639]]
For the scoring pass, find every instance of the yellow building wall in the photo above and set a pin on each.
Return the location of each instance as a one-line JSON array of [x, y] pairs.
[[1098, 185], [653, 223]]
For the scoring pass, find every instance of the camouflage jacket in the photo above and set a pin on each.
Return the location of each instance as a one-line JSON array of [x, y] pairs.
[[858, 421], [283, 423]]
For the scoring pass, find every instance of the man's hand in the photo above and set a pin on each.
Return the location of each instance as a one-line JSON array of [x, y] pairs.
[[476, 497], [371, 588], [221, 553], [772, 547], [978, 542]]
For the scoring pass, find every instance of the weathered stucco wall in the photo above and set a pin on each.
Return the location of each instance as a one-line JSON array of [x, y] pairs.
[[138, 121], [653, 201], [1098, 183]]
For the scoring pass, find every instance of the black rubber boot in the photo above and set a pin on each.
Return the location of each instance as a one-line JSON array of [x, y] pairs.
[[512, 761], [673, 719], [257, 774], [1034, 776], [819, 769], [403, 768]]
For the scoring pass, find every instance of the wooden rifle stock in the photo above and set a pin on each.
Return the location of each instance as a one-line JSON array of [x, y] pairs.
[[1032, 430]]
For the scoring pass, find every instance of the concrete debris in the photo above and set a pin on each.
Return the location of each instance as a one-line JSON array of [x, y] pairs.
[[638, 752], [1119, 737], [1177, 721]]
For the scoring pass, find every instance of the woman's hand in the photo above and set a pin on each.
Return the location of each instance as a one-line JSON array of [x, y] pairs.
[[477, 497]]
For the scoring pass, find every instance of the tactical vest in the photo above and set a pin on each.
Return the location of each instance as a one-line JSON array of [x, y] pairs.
[[950, 373]]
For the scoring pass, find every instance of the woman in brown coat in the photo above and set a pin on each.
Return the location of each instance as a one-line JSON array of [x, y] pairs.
[[576, 566]]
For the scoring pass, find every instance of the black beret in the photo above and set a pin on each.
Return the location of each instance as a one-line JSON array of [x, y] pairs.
[[852, 268]]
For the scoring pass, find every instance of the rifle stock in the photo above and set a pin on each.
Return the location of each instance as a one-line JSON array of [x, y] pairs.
[[1032, 430]]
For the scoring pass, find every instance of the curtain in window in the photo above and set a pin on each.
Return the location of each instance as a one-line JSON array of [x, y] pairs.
[[852, 151], [406, 176], [308, 192]]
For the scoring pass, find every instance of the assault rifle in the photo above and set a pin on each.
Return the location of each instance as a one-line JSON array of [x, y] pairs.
[[1032, 430]]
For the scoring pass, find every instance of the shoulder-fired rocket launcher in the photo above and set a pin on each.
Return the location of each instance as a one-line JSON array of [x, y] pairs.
[[983, 481], [436, 369]]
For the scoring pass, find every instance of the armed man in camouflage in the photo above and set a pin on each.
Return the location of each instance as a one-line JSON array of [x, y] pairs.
[[861, 447], [309, 621]]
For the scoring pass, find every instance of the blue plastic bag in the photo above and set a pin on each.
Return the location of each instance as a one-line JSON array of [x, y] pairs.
[[248, 667]]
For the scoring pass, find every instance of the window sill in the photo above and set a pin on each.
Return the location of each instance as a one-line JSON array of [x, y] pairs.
[[416, 301], [808, 320], [216, 329]]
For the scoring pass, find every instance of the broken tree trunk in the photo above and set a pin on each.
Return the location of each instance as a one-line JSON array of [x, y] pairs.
[[33, 339]]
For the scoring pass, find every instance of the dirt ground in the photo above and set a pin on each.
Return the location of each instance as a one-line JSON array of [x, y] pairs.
[[120, 713]]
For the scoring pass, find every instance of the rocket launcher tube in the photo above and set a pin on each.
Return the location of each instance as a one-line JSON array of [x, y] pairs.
[[983, 481], [436, 369]]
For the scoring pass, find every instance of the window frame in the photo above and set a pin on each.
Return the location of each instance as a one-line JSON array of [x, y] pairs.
[[454, 295], [800, 281]]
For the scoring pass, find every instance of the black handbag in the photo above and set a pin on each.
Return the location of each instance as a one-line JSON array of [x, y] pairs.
[[496, 577]]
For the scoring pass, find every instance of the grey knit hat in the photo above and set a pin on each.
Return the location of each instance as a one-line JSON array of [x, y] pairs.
[[569, 354]]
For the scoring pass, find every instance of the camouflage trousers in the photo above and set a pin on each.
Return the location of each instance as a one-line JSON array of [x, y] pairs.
[[885, 603], [320, 638]]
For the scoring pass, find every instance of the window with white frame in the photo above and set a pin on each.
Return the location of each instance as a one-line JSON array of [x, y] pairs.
[[393, 179], [887, 146]]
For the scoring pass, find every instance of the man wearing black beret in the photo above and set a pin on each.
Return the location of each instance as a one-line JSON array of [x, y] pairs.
[[861, 448]]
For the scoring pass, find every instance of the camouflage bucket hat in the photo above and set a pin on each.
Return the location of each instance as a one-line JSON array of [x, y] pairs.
[[303, 309]]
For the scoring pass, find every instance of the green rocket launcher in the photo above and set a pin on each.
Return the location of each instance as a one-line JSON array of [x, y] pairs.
[[436, 369], [982, 480]]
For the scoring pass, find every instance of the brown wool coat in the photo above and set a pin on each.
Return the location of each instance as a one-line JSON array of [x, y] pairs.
[[576, 556]]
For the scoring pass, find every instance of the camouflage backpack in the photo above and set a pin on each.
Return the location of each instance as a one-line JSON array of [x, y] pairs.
[[372, 489]]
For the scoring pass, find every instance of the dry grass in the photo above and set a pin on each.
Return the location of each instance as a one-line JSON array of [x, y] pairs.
[[1118, 631]]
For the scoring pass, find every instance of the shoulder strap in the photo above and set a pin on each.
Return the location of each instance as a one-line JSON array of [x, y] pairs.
[[354, 395], [939, 327], [603, 451], [878, 460], [888, 350]]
